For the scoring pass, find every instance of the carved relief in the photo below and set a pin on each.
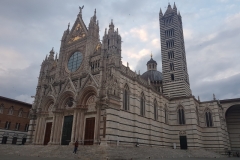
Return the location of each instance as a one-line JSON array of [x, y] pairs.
[[182, 133], [91, 103]]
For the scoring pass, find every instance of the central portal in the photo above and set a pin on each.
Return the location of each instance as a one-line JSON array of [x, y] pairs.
[[67, 130], [89, 131]]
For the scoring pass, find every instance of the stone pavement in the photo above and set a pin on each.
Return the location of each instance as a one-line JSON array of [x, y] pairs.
[[39, 152]]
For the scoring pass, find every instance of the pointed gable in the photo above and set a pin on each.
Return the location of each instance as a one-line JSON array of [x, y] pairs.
[[79, 30], [169, 10]]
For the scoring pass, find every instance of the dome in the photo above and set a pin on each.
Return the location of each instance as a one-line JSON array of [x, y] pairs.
[[151, 61], [153, 75]]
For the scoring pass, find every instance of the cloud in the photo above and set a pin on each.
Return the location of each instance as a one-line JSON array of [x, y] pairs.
[[29, 29]]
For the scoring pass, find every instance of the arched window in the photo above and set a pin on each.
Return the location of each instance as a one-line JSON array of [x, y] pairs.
[[181, 116], [10, 112], [126, 98], [1, 108], [142, 105], [208, 116], [166, 115], [171, 66], [20, 112], [155, 110]]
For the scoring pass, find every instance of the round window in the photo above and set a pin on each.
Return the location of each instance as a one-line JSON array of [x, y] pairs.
[[75, 61]]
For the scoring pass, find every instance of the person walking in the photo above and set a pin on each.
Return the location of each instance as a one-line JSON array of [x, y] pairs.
[[75, 147]]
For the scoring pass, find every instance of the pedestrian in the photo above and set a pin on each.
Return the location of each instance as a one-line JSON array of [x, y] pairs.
[[75, 147], [229, 153]]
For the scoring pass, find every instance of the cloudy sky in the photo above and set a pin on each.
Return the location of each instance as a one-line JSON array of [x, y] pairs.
[[29, 29]]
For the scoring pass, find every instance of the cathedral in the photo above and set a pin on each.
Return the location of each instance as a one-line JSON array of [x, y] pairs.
[[86, 94]]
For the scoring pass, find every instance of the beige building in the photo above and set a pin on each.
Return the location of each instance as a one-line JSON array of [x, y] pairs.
[[87, 94]]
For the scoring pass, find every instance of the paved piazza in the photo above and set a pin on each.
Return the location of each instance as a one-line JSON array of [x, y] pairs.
[[13, 157]]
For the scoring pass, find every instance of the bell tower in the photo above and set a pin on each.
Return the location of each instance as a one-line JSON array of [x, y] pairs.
[[174, 64]]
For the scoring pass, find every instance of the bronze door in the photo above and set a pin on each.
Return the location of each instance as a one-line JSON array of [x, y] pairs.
[[89, 131], [67, 130], [47, 133]]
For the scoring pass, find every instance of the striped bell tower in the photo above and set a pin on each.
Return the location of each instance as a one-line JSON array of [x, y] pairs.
[[174, 64]]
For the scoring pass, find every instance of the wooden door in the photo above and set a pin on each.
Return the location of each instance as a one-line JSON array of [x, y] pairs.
[[14, 140], [183, 142], [67, 130], [47, 133], [89, 131]]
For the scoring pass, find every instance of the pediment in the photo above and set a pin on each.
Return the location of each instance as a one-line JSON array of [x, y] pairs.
[[78, 31], [69, 86], [90, 81]]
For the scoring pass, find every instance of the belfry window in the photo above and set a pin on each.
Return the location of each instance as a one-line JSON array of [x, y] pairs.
[[142, 105], [170, 43], [208, 116], [171, 66], [155, 110], [126, 98], [170, 55], [181, 116]]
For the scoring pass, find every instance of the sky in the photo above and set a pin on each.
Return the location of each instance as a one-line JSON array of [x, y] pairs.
[[29, 29]]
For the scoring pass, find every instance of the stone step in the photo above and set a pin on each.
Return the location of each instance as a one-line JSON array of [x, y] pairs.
[[104, 152]]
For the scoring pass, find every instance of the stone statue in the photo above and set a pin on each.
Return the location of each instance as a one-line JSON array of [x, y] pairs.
[[81, 8]]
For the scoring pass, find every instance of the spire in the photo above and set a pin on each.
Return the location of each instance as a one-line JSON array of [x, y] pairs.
[[179, 14], [68, 25], [175, 8], [94, 16], [46, 58], [169, 9], [56, 56], [111, 26], [160, 12], [51, 55]]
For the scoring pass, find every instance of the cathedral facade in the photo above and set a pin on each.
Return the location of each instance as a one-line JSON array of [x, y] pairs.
[[87, 94]]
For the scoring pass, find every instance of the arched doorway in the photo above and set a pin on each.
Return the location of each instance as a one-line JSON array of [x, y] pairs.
[[233, 126]]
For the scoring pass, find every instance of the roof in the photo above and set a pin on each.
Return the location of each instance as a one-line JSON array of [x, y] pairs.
[[153, 75], [230, 100], [16, 101], [169, 9], [151, 61]]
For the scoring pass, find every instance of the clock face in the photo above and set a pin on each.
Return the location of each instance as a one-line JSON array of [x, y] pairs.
[[75, 61]]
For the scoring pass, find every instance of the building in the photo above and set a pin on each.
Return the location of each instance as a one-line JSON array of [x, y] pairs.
[[14, 121], [87, 94]]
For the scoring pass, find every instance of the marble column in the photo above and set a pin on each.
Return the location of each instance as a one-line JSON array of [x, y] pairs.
[[38, 129], [81, 125], [52, 129], [98, 116], [74, 126]]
